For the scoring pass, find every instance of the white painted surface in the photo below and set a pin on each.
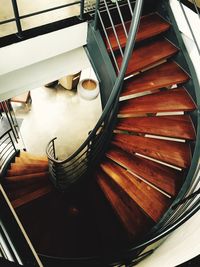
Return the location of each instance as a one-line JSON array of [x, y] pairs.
[[180, 246], [40, 73], [31, 51]]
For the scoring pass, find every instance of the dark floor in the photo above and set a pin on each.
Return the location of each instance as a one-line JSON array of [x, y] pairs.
[[74, 224]]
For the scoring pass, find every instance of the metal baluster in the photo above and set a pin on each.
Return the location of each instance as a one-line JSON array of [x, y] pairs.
[[17, 19], [110, 46], [121, 18], [9, 121], [82, 5], [113, 27], [96, 14], [130, 7]]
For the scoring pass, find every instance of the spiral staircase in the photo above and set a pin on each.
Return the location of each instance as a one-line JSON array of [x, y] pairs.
[[141, 172]]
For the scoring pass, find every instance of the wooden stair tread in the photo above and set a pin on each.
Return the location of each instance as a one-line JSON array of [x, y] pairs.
[[171, 152], [26, 177], [32, 196], [18, 169], [166, 101], [166, 74], [134, 220], [169, 126], [25, 160], [163, 177], [150, 25], [148, 54], [153, 203], [15, 192], [28, 155]]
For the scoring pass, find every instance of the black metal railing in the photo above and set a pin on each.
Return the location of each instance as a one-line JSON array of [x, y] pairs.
[[182, 209], [79, 163], [18, 17], [7, 150]]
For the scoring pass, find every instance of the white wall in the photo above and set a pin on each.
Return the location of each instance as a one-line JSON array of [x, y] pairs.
[[40, 73], [37, 61], [25, 53]]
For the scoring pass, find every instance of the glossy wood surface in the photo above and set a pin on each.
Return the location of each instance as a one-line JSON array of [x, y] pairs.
[[150, 25], [148, 54], [134, 220], [163, 177], [166, 101], [169, 126], [164, 75], [174, 153], [144, 195]]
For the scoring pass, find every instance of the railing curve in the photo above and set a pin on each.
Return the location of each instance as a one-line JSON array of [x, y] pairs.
[[59, 169]]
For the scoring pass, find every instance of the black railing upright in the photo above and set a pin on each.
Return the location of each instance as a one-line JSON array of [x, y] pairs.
[[18, 17], [91, 150], [7, 150], [65, 172]]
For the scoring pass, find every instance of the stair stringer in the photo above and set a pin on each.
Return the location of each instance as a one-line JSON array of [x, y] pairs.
[[101, 62], [193, 88]]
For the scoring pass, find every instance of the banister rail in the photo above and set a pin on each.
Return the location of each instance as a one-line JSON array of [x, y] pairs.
[[17, 17], [181, 210], [100, 131], [7, 150]]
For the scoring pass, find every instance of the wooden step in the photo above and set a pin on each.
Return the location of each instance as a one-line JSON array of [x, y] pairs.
[[169, 126], [27, 178], [148, 55], [153, 203], [171, 152], [28, 155], [32, 196], [164, 75], [20, 169], [163, 177], [134, 220], [19, 191], [26, 160], [150, 25], [166, 101]]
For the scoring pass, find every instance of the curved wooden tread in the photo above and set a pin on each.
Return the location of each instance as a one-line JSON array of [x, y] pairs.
[[148, 54], [150, 25], [169, 126], [163, 177], [144, 195], [134, 220], [164, 75], [171, 152], [165, 101]]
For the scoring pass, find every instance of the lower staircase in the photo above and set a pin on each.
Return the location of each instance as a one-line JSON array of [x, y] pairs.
[[27, 179]]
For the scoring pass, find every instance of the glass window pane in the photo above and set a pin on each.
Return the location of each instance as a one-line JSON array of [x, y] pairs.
[[6, 12]]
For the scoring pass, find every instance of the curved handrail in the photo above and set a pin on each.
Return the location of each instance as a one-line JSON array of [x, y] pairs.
[[115, 92]]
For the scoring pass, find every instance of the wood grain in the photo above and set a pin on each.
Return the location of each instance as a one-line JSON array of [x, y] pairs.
[[175, 153], [166, 101], [169, 126], [153, 203], [163, 177], [150, 25], [134, 220], [148, 54], [164, 75]]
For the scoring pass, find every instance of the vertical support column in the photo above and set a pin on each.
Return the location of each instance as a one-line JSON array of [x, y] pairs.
[[17, 18], [96, 15], [82, 9]]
